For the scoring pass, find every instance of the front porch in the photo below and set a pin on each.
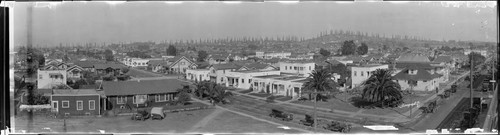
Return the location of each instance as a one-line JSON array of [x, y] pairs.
[[277, 88]]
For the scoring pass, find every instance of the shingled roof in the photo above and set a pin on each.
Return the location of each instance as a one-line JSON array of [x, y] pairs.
[[108, 65], [226, 66], [441, 59], [422, 75], [405, 65], [413, 58], [142, 87]]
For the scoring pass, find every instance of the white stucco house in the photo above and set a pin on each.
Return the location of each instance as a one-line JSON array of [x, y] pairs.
[[47, 79], [360, 73]]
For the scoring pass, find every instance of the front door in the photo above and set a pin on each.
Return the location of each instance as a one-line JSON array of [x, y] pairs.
[[55, 106]]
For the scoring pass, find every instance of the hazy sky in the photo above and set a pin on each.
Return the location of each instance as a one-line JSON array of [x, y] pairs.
[[77, 22]]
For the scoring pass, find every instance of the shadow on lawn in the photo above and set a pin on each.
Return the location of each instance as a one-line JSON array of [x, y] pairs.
[[361, 103]]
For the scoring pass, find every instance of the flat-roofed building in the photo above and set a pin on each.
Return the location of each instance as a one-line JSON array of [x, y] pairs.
[[360, 73]]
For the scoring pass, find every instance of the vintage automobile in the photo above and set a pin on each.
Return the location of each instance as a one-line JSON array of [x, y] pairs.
[[338, 127], [281, 115], [157, 113], [140, 115], [309, 121]]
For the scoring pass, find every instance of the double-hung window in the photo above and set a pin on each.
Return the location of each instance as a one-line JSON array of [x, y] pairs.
[[91, 104], [121, 100], [79, 105]]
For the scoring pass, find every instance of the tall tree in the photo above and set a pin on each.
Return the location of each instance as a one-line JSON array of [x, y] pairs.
[[108, 54], [348, 48], [380, 87], [171, 50], [202, 55], [363, 49], [319, 80], [324, 52]]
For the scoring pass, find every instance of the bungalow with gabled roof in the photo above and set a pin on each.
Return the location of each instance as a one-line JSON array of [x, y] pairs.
[[74, 72], [108, 68], [141, 93], [417, 79], [180, 64]]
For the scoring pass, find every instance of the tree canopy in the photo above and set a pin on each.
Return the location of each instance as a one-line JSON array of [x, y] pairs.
[[363, 49], [321, 81], [348, 48], [380, 88], [202, 55], [108, 54], [171, 50], [324, 52]]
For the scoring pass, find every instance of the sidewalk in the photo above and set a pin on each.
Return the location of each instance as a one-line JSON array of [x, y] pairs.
[[340, 112], [243, 114]]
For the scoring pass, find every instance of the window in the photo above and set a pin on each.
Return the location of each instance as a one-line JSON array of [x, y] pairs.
[[367, 73], [301, 68], [309, 67], [160, 97], [286, 68], [167, 96], [255, 84], [249, 80], [224, 71], [66, 114], [40, 76], [354, 73], [79, 105], [242, 80], [425, 80], [295, 68], [65, 104], [182, 63], [120, 100], [91, 104], [361, 73]]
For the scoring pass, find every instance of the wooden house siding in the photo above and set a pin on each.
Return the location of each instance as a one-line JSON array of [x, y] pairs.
[[129, 101], [72, 109]]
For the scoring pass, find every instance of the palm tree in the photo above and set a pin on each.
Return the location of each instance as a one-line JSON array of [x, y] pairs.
[[215, 92], [319, 80], [380, 87]]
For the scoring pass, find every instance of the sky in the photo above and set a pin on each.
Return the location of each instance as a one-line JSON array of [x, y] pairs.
[[81, 22]]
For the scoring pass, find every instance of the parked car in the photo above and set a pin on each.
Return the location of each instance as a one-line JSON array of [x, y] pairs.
[[140, 115], [281, 115], [157, 113], [338, 127]]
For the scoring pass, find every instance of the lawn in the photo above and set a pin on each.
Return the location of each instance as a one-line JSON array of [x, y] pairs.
[[284, 98], [183, 122], [246, 91], [136, 73], [332, 103], [260, 94], [229, 122], [173, 123]]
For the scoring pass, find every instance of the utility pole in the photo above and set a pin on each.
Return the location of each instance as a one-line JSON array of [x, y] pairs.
[[470, 76]]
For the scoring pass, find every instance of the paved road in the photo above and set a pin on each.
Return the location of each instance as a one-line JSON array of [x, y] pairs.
[[247, 115]]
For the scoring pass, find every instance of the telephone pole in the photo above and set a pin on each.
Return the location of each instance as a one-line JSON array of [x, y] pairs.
[[471, 76]]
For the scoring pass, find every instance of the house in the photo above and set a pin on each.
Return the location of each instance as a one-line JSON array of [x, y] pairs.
[[218, 72], [48, 79], [417, 79], [218, 58], [258, 66], [283, 84], [133, 94], [238, 57], [445, 60], [270, 55], [87, 65], [75, 72], [157, 65], [76, 102], [197, 75], [242, 79], [362, 72], [482, 52], [108, 68], [298, 67], [413, 58], [180, 64]]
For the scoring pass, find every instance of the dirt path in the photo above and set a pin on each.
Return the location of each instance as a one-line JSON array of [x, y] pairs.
[[207, 119]]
